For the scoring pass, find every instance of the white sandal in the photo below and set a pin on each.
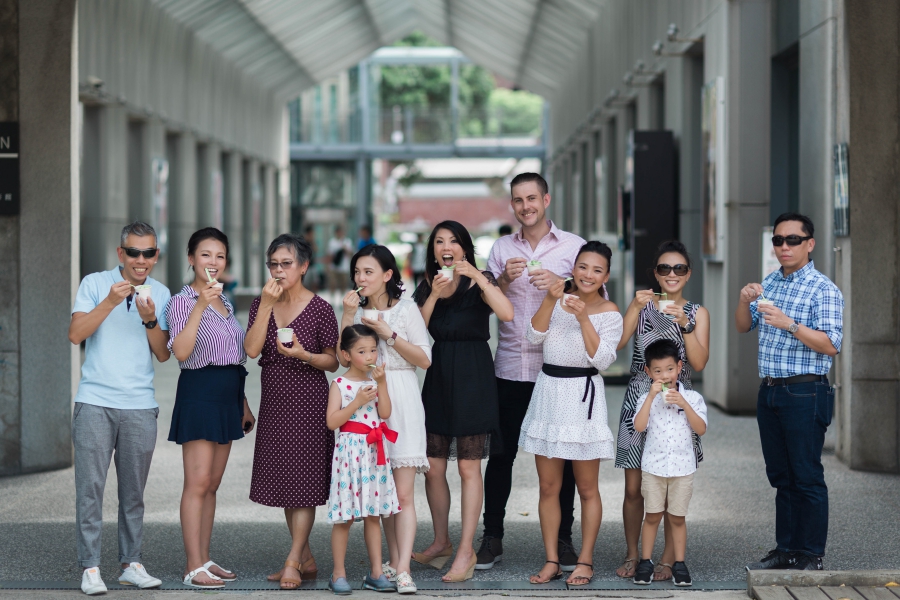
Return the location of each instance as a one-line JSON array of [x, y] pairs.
[[224, 570], [189, 579]]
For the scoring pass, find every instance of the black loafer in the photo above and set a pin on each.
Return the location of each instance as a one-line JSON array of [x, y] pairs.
[[804, 562], [775, 559], [643, 575]]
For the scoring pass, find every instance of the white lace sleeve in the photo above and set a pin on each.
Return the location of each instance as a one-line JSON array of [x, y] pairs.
[[534, 336], [416, 330], [609, 328]]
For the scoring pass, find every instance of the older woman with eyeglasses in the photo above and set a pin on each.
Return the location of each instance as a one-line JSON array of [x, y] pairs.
[[292, 458], [654, 316]]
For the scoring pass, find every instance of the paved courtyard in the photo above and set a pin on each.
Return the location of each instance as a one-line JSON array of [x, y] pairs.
[[731, 519]]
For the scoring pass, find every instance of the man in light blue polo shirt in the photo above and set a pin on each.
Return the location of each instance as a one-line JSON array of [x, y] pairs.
[[122, 324]]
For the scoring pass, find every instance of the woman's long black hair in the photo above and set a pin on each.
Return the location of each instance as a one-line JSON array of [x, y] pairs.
[[386, 260], [597, 248], [432, 266], [664, 248]]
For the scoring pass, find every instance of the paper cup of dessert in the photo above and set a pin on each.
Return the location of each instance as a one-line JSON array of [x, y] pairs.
[[142, 292], [370, 313], [447, 272], [533, 265], [285, 335]]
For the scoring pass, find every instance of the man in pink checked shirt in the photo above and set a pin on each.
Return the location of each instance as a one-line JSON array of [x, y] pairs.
[[518, 363]]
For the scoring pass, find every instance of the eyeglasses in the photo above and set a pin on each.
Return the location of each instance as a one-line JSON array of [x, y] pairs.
[[792, 240], [135, 252], [273, 266], [680, 270]]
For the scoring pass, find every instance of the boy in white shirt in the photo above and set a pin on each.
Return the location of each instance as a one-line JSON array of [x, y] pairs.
[[668, 463]]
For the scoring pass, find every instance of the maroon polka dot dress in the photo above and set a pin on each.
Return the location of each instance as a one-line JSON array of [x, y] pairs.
[[292, 458]]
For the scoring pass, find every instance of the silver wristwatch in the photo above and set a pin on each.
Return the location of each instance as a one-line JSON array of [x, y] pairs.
[[793, 327], [390, 341]]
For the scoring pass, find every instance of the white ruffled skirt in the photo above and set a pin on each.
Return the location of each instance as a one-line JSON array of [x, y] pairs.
[[557, 425]]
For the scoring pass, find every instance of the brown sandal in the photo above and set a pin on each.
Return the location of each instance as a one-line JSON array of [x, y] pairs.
[[658, 574], [285, 580], [630, 565], [573, 577], [314, 574]]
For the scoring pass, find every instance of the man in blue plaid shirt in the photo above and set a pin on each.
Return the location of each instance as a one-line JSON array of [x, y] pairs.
[[799, 313]]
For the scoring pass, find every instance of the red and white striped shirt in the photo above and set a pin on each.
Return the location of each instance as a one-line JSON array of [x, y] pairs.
[[516, 359], [220, 340]]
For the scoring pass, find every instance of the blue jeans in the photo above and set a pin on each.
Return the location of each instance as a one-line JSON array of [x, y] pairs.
[[792, 422]]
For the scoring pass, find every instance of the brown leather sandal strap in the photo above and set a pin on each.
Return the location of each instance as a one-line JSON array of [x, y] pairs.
[[292, 564]]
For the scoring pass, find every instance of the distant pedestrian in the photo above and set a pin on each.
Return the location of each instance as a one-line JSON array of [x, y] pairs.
[[578, 329], [292, 457], [650, 317], [799, 313], [460, 391], [120, 314], [211, 409], [362, 485], [417, 260], [340, 249], [671, 416], [365, 237], [313, 278], [505, 229], [525, 265]]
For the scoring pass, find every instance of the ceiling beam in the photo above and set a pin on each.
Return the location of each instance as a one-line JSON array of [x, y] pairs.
[[448, 22], [372, 22], [529, 40], [252, 16]]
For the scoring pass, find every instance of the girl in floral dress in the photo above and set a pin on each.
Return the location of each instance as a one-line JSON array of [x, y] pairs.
[[362, 487]]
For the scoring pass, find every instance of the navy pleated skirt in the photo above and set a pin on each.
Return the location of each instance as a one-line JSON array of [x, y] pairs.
[[209, 405]]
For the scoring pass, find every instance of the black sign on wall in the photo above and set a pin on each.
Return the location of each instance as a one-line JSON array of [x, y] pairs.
[[9, 168]]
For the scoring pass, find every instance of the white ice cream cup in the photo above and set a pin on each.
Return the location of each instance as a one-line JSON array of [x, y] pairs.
[[370, 313], [448, 273], [662, 307], [142, 292], [566, 297], [285, 335], [764, 303], [218, 285], [533, 265]]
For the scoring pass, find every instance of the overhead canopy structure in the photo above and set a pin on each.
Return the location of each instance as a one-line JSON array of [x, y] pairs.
[[293, 44]]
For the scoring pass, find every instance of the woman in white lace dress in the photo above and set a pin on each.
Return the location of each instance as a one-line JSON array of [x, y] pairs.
[[566, 419], [403, 345]]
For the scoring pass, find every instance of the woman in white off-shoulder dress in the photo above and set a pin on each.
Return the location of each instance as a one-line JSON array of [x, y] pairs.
[[403, 345], [566, 419]]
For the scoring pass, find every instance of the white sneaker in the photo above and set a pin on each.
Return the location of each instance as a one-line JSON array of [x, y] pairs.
[[91, 582], [389, 571], [138, 576], [405, 584]]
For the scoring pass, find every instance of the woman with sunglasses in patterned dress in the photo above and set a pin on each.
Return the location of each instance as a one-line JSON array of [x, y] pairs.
[[686, 323]]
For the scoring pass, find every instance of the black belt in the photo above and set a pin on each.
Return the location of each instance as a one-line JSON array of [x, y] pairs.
[[574, 373], [771, 381]]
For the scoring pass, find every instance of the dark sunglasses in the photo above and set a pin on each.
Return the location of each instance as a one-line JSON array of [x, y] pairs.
[[680, 270], [135, 252], [792, 240]]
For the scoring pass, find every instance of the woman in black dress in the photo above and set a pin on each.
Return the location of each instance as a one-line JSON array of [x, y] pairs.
[[460, 391]]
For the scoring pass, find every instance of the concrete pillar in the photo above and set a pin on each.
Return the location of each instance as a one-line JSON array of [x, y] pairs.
[[233, 188], [254, 258], [271, 226], [40, 51], [731, 378], [210, 196], [817, 125], [182, 155], [147, 198], [870, 412], [104, 185]]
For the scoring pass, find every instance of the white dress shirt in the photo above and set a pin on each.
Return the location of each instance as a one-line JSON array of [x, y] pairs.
[[668, 449]]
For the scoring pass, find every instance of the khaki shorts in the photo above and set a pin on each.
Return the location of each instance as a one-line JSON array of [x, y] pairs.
[[677, 490]]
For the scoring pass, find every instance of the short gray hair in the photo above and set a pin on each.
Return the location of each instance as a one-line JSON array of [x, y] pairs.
[[296, 244], [140, 229]]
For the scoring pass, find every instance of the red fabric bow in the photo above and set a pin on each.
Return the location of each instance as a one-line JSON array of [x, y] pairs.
[[374, 435]]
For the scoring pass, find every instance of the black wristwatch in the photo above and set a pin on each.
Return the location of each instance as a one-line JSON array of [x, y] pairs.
[[150, 325], [689, 328]]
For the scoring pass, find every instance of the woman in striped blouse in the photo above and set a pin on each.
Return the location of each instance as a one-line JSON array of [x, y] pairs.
[[211, 409]]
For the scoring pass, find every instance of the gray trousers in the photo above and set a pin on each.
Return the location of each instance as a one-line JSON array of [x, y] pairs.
[[97, 433]]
